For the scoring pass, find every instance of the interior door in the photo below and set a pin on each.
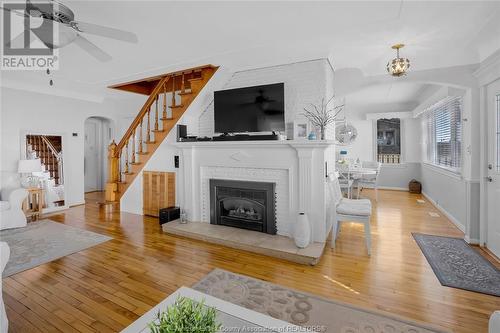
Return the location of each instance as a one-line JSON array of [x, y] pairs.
[[493, 178], [91, 169]]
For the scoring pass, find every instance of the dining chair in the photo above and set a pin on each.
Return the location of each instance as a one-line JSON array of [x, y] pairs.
[[349, 210], [370, 180], [344, 178]]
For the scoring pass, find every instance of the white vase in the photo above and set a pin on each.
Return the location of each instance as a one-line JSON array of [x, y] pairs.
[[302, 231]]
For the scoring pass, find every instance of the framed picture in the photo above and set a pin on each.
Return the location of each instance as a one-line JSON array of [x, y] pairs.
[[300, 130]]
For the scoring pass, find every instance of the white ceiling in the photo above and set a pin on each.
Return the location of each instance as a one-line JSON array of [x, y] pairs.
[[241, 35]]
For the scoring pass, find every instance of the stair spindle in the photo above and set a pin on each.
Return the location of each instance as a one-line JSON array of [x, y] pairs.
[[164, 116], [148, 132], [183, 87], [156, 114], [119, 167], [173, 90], [126, 158], [140, 138], [133, 146]]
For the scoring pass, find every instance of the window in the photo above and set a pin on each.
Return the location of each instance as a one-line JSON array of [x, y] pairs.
[[444, 133], [389, 140]]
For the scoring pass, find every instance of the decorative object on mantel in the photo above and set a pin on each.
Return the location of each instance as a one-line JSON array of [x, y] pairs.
[[312, 136], [302, 231], [300, 129], [398, 66], [321, 116], [345, 133], [26, 168]]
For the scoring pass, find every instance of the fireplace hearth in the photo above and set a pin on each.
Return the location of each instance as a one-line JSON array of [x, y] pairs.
[[243, 204]]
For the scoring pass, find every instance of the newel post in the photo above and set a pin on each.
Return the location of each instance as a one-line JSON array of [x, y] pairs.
[[113, 173]]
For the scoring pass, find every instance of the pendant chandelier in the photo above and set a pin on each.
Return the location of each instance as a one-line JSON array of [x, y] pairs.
[[398, 66]]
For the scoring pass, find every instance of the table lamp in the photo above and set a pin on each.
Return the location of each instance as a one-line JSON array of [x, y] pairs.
[[27, 167]]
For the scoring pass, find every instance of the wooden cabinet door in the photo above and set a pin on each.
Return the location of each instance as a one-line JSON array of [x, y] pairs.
[[158, 191]]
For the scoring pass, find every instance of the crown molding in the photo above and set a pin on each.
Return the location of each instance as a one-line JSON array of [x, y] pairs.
[[489, 69]]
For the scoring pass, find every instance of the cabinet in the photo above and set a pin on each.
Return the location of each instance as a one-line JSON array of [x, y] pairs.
[[158, 191]]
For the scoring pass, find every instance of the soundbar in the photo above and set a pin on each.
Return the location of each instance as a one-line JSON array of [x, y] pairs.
[[245, 137]]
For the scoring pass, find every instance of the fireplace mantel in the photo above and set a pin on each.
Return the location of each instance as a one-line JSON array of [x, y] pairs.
[[297, 167]]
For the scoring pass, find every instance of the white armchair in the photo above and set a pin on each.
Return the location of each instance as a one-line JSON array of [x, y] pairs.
[[11, 208], [4, 257]]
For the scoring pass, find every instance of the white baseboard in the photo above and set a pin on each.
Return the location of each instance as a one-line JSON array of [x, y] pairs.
[[393, 188], [471, 240], [445, 212]]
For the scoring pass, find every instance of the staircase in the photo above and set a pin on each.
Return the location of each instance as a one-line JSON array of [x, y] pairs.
[[49, 150], [169, 97]]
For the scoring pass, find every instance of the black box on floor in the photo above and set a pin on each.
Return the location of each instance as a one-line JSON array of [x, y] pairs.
[[169, 214]]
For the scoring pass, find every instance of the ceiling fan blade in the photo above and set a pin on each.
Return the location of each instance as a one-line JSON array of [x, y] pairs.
[[16, 12], [92, 49], [103, 31], [18, 41]]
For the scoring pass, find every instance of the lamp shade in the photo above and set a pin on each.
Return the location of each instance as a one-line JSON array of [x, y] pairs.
[[29, 166]]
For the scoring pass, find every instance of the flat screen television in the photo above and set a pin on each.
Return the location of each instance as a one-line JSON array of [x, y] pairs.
[[250, 109]]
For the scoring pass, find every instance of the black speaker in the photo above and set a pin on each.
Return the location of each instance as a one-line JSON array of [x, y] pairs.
[[181, 132], [169, 214], [176, 161]]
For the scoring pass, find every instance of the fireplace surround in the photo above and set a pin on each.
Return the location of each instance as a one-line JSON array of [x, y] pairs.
[[243, 204]]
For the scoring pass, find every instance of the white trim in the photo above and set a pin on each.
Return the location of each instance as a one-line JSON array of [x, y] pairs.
[[389, 115], [473, 241], [443, 170], [393, 188], [489, 69], [450, 217], [395, 165]]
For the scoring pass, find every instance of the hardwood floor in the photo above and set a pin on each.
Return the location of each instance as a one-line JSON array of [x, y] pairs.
[[106, 287]]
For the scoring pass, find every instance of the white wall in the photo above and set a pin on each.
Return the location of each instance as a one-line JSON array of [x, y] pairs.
[[456, 195], [23, 111], [305, 82]]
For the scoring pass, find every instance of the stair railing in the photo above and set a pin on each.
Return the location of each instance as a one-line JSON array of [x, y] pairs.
[[145, 126], [54, 159]]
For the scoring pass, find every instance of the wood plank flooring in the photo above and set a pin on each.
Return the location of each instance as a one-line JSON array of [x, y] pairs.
[[106, 287]]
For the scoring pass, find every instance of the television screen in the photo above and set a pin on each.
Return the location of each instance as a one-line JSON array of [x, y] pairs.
[[250, 109]]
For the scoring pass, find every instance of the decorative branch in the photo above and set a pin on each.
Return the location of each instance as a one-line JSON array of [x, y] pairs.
[[322, 115]]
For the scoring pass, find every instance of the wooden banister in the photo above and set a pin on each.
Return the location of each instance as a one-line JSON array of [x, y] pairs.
[[141, 114], [144, 135]]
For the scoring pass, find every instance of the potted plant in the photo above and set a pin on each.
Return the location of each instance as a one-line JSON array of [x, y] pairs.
[[322, 115], [186, 315]]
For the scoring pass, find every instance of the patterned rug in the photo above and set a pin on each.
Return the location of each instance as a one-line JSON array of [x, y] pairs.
[[313, 312], [45, 241], [457, 265]]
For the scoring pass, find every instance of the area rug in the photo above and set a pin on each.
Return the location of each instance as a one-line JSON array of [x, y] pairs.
[[315, 313], [457, 265], [44, 241]]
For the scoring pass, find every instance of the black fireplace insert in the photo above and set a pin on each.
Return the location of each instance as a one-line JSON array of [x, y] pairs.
[[243, 204]]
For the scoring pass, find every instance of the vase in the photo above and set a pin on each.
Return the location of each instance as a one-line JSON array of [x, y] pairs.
[[322, 132], [302, 231], [311, 136]]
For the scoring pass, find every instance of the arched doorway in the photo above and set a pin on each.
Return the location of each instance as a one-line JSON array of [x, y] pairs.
[[98, 135]]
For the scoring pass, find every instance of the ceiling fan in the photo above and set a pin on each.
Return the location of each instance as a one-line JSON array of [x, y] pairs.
[[59, 28]]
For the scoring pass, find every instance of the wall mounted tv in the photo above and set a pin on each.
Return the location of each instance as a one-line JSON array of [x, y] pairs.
[[250, 109]]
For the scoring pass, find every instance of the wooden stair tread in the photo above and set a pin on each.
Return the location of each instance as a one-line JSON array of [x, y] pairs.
[[176, 106], [142, 153], [128, 173], [150, 142], [195, 79], [185, 93], [165, 119], [135, 163], [158, 131]]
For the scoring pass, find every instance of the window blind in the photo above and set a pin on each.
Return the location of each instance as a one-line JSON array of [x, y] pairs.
[[444, 133]]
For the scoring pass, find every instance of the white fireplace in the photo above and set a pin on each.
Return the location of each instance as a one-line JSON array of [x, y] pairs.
[[297, 168]]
